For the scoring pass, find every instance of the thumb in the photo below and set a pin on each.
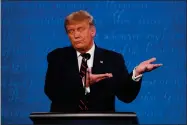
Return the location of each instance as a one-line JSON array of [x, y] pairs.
[[88, 70], [151, 60]]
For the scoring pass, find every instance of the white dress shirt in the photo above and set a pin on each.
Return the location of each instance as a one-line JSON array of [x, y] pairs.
[[90, 65]]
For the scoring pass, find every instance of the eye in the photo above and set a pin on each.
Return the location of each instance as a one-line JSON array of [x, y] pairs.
[[80, 29], [70, 31]]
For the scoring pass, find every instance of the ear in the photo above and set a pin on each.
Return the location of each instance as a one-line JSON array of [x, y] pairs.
[[93, 31]]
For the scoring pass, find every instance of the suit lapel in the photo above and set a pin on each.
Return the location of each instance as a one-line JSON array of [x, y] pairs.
[[98, 68], [73, 62], [98, 61]]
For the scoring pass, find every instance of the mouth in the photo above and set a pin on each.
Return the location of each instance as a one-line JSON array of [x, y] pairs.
[[78, 42]]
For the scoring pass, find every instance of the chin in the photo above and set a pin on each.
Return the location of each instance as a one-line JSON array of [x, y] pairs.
[[79, 47]]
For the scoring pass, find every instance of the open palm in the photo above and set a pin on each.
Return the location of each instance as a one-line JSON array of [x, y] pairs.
[[147, 66]]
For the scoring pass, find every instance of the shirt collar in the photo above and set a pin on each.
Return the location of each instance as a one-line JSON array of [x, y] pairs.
[[91, 51]]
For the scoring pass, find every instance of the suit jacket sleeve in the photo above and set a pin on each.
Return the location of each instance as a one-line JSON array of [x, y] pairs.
[[52, 87], [126, 88]]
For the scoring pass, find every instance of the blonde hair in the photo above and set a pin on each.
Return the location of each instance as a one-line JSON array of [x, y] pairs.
[[78, 16]]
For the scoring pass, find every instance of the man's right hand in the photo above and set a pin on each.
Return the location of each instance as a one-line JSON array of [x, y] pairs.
[[94, 78]]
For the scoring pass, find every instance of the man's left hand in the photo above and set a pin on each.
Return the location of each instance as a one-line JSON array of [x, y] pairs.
[[146, 66]]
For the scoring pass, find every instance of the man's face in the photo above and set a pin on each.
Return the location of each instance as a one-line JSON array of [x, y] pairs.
[[81, 35]]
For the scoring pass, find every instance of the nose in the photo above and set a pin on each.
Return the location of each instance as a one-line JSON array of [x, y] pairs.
[[76, 34]]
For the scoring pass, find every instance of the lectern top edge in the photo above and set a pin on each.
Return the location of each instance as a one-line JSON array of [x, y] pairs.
[[82, 114]]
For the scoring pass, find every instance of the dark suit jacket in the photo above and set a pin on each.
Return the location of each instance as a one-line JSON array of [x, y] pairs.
[[64, 88]]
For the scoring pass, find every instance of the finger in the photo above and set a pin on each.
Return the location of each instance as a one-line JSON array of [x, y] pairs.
[[157, 65], [151, 60], [87, 73], [154, 66], [88, 78], [89, 70], [103, 75], [99, 79], [109, 74]]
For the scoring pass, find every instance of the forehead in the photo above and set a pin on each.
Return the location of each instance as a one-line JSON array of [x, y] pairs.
[[78, 24]]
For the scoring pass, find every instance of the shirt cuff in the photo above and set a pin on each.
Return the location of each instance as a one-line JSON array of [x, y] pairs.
[[136, 78], [87, 90]]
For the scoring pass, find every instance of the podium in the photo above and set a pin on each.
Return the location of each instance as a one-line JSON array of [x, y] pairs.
[[121, 118]]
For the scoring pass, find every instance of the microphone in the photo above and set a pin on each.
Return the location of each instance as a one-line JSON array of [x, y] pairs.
[[86, 56]]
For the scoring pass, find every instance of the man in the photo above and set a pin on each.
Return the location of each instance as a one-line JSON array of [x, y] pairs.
[[84, 77]]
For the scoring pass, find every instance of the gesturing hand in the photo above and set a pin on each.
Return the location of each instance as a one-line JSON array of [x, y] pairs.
[[146, 66], [94, 78]]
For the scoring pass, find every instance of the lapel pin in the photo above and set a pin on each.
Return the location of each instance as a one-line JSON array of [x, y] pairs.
[[101, 61]]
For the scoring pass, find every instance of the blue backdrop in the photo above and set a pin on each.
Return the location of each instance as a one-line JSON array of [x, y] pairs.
[[138, 30]]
